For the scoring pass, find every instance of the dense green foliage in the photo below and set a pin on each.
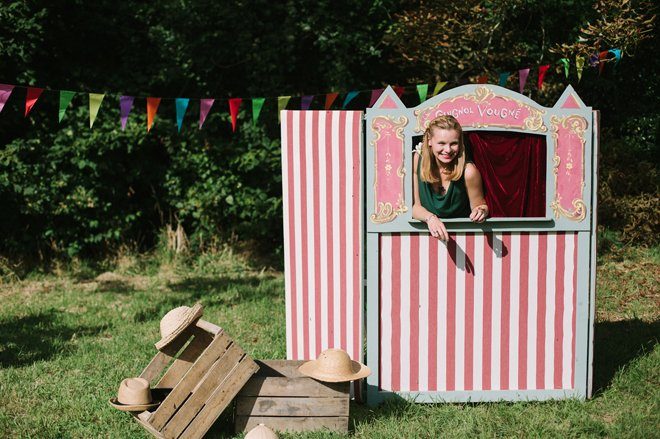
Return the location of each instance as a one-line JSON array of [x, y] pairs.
[[68, 190]]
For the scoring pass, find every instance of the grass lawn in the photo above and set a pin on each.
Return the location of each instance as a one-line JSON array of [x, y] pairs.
[[66, 341]]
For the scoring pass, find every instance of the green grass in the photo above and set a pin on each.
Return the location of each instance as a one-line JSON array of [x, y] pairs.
[[67, 340]]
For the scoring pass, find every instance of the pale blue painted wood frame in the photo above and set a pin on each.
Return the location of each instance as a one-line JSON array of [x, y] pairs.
[[586, 230]]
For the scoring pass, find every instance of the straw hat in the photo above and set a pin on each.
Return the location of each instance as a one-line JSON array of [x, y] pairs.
[[261, 432], [334, 366], [176, 321], [134, 395]]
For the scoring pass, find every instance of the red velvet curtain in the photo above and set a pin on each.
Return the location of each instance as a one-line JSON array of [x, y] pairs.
[[512, 166]]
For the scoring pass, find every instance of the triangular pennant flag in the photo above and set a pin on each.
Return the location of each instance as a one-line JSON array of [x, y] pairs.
[[522, 79], [602, 56], [65, 100], [542, 71], [152, 108], [399, 90], [125, 106], [257, 104], [204, 108], [482, 79], [422, 91], [234, 105], [593, 60], [617, 55], [95, 100], [281, 105], [504, 77], [306, 102], [438, 86], [579, 65], [181, 105], [349, 97], [33, 94], [5, 92], [566, 64], [330, 99], [375, 94]]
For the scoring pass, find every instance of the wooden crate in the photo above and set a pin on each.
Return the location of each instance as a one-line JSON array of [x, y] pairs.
[[199, 384], [283, 399]]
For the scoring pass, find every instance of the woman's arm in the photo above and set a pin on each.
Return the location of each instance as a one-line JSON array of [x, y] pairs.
[[475, 194], [436, 227]]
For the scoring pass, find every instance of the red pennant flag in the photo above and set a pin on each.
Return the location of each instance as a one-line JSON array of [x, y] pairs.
[[375, 94], [542, 71], [482, 79], [152, 107], [601, 56], [234, 104], [399, 90], [33, 94], [329, 99]]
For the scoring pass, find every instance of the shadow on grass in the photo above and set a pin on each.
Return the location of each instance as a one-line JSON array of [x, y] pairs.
[[226, 291], [37, 337], [617, 344]]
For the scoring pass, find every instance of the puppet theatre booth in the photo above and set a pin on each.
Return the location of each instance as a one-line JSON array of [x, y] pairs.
[[504, 310]]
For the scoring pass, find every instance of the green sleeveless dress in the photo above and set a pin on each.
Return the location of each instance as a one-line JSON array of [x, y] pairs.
[[452, 204]]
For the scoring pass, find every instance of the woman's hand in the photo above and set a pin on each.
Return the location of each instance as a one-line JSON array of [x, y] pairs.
[[437, 228], [479, 214]]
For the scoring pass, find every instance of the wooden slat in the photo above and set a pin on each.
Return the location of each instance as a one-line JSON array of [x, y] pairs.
[[286, 368], [185, 361], [269, 406], [215, 376], [143, 419], [182, 390], [220, 399], [208, 327], [156, 366], [293, 424], [282, 386]]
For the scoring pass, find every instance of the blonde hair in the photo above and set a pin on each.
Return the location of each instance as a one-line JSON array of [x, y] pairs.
[[429, 170]]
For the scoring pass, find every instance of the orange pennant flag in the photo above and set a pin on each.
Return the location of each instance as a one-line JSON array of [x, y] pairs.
[[152, 107], [329, 99]]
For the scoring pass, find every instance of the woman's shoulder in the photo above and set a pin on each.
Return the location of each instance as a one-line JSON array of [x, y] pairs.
[[471, 172]]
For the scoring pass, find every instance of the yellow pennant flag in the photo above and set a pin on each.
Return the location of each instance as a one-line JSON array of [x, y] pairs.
[[281, 105], [95, 100], [438, 87]]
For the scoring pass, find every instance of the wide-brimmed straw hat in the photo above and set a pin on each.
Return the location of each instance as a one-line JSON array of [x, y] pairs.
[[176, 321], [261, 432], [334, 366], [134, 395]]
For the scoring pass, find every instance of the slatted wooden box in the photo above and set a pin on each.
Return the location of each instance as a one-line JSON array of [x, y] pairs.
[[283, 399], [201, 381]]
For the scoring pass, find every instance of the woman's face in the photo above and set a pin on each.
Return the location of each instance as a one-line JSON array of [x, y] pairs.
[[444, 144]]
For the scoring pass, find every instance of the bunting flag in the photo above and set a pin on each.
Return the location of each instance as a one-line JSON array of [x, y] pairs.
[[33, 94], [281, 105], [482, 79], [329, 99], [617, 55], [95, 100], [542, 71], [579, 65], [375, 94], [593, 60], [181, 105], [5, 92], [204, 108], [422, 91], [601, 57], [125, 106], [306, 102], [65, 100], [399, 90], [522, 79], [438, 86], [234, 105], [257, 105], [504, 77], [349, 97], [566, 64], [152, 108]]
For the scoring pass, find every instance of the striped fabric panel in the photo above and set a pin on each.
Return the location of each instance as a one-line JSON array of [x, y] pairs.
[[321, 167], [484, 312]]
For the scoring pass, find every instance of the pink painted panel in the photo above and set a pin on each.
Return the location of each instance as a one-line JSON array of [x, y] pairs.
[[492, 311], [570, 102], [568, 133], [388, 102], [484, 108], [389, 172]]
